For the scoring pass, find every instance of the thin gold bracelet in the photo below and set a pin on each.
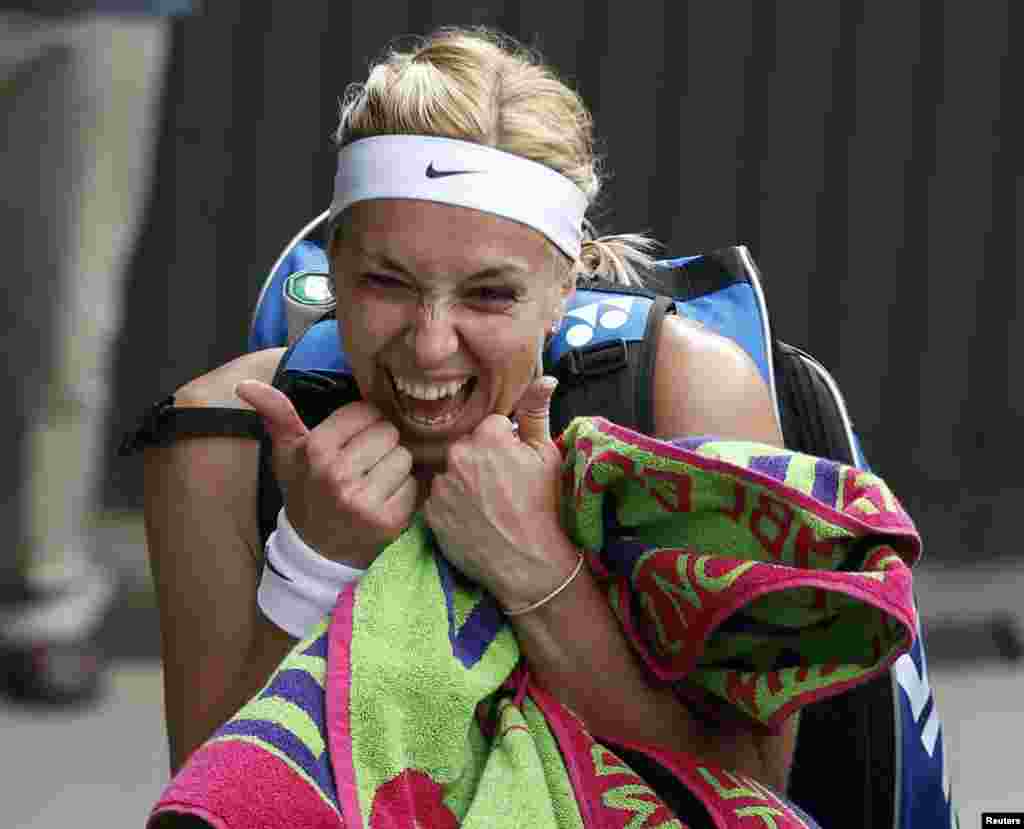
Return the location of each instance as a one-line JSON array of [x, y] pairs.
[[541, 602]]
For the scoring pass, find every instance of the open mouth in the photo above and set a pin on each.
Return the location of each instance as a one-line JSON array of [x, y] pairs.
[[432, 405]]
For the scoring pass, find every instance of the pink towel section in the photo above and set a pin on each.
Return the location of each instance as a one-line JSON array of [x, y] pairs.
[[240, 785]]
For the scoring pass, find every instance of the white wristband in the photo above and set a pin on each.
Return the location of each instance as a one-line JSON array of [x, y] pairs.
[[299, 586]]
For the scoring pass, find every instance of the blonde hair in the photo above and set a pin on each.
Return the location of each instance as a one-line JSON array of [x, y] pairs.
[[477, 85]]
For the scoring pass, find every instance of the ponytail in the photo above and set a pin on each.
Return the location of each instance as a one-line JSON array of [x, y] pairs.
[[621, 258]]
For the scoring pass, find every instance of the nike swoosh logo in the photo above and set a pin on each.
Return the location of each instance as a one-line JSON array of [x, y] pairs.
[[432, 173], [267, 560]]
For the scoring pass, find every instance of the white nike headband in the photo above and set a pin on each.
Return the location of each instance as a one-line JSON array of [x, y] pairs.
[[462, 173]]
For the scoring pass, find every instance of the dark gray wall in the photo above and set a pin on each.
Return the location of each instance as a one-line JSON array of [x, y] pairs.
[[866, 151]]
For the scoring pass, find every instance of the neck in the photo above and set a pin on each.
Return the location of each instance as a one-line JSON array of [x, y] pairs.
[[424, 476]]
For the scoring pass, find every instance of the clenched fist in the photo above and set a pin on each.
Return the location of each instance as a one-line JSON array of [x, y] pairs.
[[347, 484], [495, 508]]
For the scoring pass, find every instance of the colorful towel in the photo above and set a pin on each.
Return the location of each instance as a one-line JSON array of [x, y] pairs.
[[765, 578]]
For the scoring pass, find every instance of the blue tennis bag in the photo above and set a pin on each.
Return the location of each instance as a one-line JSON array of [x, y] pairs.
[[870, 757]]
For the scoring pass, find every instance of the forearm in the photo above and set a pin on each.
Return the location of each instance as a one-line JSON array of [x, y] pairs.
[[576, 649], [215, 649], [215, 699]]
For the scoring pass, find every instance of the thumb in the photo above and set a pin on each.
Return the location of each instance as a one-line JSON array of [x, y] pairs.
[[534, 411], [282, 422]]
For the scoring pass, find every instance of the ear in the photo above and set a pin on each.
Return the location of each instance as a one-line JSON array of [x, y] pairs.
[[568, 286], [564, 287]]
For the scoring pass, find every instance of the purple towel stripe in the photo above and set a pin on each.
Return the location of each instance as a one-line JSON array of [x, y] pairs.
[[298, 687], [826, 482], [481, 626], [774, 466], [318, 647], [691, 444], [478, 631]]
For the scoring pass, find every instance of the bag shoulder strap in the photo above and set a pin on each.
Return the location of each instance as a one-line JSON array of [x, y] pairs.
[[612, 379], [812, 420]]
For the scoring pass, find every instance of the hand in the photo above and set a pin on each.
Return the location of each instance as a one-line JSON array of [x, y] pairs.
[[495, 509], [347, 485]]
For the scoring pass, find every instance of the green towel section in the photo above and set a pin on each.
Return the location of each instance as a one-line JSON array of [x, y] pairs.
[[751, 577]]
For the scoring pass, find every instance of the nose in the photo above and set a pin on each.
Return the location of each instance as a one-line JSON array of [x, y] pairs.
[[434, 336]]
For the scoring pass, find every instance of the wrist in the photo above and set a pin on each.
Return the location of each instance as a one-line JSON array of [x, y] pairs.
[[551, 573], [550, 596], [337, 548], [299, 586]]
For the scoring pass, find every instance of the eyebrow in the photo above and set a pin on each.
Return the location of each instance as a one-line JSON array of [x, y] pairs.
[[507, 269]]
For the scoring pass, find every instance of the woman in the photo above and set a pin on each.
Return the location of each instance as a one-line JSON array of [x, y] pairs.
[[443, 306]]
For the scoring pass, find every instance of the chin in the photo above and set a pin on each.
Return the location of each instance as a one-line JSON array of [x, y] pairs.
[[428, 457]]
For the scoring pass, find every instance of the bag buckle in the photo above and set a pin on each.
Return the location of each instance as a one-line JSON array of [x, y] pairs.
[[148, 430], [597, 359]]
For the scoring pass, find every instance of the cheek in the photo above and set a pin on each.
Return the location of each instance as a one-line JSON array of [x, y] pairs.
[[365, 330], [510, 361], [362, 329]]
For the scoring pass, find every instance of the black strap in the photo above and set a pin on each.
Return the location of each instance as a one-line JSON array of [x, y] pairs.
[[862, 721], [681, 802], [646, 368], [163, 423], [702, 275], [612, 379], [811, 418]]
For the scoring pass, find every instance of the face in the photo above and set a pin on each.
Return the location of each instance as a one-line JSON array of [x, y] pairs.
[[442, 311]]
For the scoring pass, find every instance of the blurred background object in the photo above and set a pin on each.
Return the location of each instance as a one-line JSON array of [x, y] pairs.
[[864, 150], [79, 88]]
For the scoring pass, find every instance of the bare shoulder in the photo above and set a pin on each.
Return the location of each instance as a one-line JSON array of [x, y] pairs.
[[707, 384], [216, 387]]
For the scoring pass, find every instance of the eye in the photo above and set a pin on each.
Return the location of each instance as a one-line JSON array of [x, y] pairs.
[[383, 281], [495, 294]]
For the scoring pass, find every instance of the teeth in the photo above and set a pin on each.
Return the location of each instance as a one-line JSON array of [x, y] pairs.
[[429, 391]]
